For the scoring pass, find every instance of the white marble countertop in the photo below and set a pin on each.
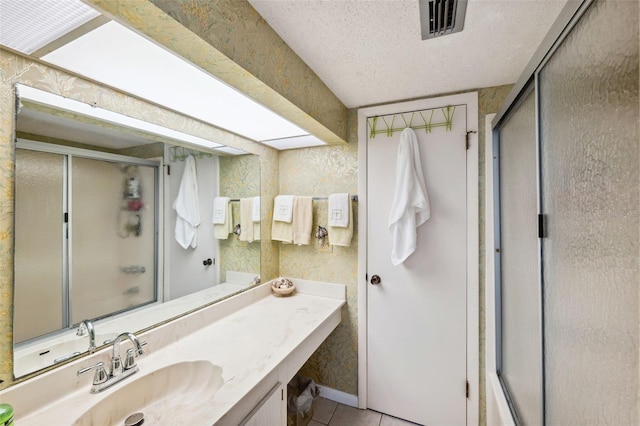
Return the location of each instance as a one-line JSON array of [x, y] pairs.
[[256, 338]]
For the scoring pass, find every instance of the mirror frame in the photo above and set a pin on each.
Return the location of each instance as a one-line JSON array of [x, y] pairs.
[[19, 69]]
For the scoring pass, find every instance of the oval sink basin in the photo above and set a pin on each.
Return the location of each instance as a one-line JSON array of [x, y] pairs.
[[176, 394]]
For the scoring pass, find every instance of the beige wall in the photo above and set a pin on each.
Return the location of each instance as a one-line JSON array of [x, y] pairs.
[[239, 178]]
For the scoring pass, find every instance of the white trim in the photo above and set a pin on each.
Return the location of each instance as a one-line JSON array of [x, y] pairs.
[[494, 394], [338, 396], [473, 240]]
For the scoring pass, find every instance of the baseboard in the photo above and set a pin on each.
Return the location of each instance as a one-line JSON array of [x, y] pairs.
[[338, 396]]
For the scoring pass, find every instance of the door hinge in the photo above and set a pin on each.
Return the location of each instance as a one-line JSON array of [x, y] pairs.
[[66, 218], [466, 392], [169, 169], [467, 138], [542, 231]]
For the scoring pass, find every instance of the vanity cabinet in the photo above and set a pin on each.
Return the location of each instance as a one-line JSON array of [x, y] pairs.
[[271, 410]]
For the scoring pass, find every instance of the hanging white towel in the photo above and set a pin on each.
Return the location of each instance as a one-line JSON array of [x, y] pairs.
[[246, 224], [283, 208], [338, 210], [302, 220], [410, 207], [220, 210], [255, 215], [221, 232], [187, 207]]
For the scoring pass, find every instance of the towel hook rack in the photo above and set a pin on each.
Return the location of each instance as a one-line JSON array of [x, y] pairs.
[[389, 129]]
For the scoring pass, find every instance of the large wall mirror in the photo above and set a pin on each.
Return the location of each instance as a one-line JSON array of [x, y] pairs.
[[104, 235]]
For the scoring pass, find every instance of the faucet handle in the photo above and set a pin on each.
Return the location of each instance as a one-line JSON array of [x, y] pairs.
[[100, 376], [81, 329], [130, 360], [116, 366]]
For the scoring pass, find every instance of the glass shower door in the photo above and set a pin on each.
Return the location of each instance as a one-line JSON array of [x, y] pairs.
[[112, 237], [39, 250], [589, 155]]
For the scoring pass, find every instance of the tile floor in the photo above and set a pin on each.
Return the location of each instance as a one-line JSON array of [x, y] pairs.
[[327, 412]]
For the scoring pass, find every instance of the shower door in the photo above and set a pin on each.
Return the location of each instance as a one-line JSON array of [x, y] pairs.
[[86, 246]]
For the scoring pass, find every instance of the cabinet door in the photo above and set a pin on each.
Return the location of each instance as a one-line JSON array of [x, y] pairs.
[[270, 411]]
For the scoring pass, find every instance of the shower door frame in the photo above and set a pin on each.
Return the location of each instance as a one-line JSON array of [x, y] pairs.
[[69, 153]]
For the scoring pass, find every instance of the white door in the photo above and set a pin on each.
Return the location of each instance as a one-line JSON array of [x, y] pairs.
[[187, 272], [416, 334]]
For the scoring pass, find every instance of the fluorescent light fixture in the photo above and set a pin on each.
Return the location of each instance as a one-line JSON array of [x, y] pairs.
[[294, 142], [46, 98], [27, 26], [230, 150], [114, 55]]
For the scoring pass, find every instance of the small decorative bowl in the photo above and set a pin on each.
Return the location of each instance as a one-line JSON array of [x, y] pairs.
[[282, 287]]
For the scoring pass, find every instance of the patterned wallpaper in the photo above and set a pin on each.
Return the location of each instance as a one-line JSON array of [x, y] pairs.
[[17, 69], [320, 172], [239, 178]]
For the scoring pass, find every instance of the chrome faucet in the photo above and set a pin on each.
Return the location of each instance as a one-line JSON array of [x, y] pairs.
[[118, 371], [88, 326], [116, 362]]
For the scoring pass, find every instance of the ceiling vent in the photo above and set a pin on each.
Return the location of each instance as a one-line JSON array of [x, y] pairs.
[[441, 17]]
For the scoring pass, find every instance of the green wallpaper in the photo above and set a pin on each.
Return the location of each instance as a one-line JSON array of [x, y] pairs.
[[320, 172], [239, 178]]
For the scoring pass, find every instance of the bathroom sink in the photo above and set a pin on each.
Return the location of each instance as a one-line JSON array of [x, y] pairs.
[[176, 394]]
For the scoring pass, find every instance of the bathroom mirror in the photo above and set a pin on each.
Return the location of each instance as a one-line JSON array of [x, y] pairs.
[[95, 227]]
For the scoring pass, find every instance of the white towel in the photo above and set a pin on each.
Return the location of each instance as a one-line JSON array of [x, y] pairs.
[[339, 236], [187, 207], [283, 208], [220, 210], [410, 207], [255, 215], [221, 232], [302, 220], [338, 210], [246, 224]]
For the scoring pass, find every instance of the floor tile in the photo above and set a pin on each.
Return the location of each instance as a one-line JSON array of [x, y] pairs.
[[394, 421], [323, 409], [314, 423], [349, 416]]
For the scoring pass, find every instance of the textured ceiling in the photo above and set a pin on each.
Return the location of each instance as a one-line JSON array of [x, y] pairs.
[[370, 51]]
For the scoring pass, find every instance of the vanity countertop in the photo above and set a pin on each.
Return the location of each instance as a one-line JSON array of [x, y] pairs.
[[255, 337]]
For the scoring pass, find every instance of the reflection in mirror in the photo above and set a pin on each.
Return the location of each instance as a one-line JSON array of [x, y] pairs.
[[98, 207]]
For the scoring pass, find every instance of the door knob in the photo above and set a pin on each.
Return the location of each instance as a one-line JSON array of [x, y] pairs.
[[375, 280], [207, 262]]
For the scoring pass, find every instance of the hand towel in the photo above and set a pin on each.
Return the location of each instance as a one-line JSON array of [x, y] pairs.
[[246, 221], [187, 207], [255, 216], [256, 231], [338, 214], [302, 220], [410, 207], [341, 236], [220, 210], [221, 232], [282, 231], [283, 208]]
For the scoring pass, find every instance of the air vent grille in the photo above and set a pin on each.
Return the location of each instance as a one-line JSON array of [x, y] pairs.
[[441, 17]]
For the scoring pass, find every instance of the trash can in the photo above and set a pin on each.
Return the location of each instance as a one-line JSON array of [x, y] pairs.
[[301, 392]]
